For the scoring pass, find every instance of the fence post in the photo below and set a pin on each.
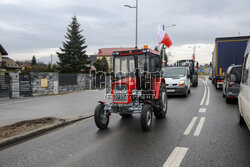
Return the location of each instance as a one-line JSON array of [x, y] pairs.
[[14, 85]]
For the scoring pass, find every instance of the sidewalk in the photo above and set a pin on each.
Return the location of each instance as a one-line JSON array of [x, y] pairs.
[[68, 106]]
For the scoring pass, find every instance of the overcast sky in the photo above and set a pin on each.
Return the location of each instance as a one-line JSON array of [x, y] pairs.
[[37, 27]]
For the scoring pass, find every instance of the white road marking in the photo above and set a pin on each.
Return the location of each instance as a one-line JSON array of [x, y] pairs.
[[202, 110], [204, 96], [190, 126], [199, 127], [176, 157], [208, 96]]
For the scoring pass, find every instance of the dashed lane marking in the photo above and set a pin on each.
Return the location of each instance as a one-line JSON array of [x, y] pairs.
[[204, 96], [202, 110], [199, 127], [176, 157], [190, 126]]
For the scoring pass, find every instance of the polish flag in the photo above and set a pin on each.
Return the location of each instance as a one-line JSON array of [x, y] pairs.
[[163, 37], [193, 56]]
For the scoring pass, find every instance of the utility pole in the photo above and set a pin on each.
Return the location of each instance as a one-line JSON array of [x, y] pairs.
[[136, 22], [194, 49], [51, 60], [136, 33], [164, 46]]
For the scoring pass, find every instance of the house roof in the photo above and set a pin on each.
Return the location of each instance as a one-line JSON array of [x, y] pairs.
[[2, 50], [9, 63], [109, 51]]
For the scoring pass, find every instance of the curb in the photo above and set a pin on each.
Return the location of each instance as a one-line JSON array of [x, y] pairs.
[[40, 131]]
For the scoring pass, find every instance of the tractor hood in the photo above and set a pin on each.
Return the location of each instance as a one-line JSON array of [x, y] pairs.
[[118, 88], [131, 81]]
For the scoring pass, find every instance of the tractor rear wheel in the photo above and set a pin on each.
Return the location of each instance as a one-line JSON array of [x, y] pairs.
[[146, 117], [161, 111], [101, 120], [195, 81]]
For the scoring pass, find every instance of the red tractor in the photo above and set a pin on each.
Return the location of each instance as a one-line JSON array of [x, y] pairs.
[[137, 87]]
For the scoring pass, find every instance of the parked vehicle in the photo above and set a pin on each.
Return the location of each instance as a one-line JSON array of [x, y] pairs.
[[177, 80], [231, 84], [137, 88], [227, 51], [244, 95], [193, 68]]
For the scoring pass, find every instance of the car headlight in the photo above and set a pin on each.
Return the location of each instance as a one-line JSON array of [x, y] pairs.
[[181, 82]]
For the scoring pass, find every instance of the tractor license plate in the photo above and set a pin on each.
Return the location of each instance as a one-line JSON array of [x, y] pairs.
[[170, 90]]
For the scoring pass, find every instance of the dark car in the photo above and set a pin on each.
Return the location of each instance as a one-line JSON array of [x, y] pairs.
[[231, 84]]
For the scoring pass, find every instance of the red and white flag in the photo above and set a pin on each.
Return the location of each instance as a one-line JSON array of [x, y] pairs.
[[193, 56], [163, 37]]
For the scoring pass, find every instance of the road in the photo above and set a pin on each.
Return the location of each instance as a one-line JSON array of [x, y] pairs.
[[193, 134]]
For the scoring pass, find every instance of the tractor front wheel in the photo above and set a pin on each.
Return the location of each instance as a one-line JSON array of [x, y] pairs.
[[146, 117], [101, 119]]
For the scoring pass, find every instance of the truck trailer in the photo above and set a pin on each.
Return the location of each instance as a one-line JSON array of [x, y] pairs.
[[227, 51]]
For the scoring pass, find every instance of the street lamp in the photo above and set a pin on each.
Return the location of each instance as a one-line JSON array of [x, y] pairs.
[[136, 24], [194, 48], [168, 26]]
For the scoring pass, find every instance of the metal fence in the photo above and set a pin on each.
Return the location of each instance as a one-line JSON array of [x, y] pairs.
[[4, 86], [67, 79], [25, 85]]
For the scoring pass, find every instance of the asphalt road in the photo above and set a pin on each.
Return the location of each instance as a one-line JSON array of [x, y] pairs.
[[193, 134]]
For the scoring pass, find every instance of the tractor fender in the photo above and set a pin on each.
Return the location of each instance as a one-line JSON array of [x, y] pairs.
[[102, 102], [148, 102], [158, 86]]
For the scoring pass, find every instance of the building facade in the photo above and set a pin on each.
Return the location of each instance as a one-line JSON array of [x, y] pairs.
[[2, 53]]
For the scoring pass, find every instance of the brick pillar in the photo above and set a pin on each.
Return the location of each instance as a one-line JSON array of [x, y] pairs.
[[14, 85]]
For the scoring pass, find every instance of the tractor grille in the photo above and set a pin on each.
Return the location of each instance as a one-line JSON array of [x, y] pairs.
[[120, 93]]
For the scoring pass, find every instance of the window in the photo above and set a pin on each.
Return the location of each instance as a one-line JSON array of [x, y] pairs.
[[245, 70], [124, 64], [152, 65], [172, 72], [142, 63]]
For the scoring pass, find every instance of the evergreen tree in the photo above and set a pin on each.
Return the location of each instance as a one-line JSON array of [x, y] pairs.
[[33, 61], [73, 58], [101, 65], [97, 65], [104, 64]]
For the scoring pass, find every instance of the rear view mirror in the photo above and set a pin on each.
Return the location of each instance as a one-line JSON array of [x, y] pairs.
[[233, 78]]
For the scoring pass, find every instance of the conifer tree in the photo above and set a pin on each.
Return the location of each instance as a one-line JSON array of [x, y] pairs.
[[33, 61], [73, 58]]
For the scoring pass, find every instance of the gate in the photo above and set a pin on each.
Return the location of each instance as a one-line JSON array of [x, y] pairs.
[[4, 86], [24, 85]]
